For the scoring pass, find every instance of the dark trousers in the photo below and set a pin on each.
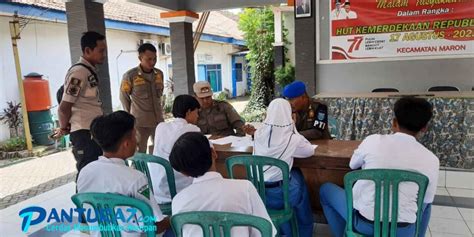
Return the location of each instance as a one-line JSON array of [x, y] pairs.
[[85, 149]]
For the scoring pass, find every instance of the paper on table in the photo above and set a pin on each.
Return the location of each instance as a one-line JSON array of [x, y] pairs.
[[235, 141], [314, 146]]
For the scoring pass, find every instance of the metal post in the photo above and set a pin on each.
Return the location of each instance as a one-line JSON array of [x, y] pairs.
[[15, 35]]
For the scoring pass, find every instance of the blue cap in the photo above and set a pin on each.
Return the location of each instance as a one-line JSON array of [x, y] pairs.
[[294, 89]]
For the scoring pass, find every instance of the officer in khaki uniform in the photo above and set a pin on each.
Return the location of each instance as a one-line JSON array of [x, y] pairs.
[[140, 93], [310, 115], [80, 102], [218, 118]]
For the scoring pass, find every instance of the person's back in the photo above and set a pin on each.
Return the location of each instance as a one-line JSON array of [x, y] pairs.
[[396, 151], [116, 135], [211, 192], [192, 156], [185, 111]]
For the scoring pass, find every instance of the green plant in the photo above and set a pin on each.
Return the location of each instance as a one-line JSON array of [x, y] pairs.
[[284, 75], [258, 28], [14, 144], [168, 105], [12, 117], [221, 96]]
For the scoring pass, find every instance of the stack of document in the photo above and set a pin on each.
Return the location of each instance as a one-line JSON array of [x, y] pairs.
[[234, 141]]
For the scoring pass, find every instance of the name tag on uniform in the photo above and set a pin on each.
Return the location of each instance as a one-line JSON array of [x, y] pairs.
[[93, 82], [137, 81]]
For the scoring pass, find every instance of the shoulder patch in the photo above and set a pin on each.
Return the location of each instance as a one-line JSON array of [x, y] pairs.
[[126, 86], [145, 191], [74, 87]]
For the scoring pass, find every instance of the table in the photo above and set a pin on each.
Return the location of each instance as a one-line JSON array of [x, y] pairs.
[[329, 164], [450, 134]]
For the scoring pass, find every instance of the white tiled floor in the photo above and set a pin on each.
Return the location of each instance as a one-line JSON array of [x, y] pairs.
[[445, 221], [461, 192], [459, 179], [448, 226]]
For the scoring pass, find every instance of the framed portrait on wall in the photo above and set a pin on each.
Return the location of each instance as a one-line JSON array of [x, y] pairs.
[[302, 8]]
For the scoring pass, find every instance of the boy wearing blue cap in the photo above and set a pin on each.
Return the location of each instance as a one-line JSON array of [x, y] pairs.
[[311, 116]]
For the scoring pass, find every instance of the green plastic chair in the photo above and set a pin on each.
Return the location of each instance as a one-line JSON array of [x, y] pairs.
[[109, 201], [383, 179], [140, 162], [221, 223], [254, 166]]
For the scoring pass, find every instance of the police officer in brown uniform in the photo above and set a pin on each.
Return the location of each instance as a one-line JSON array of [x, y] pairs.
[[311, 116], [80, 102], [140, 93], [218, 118]]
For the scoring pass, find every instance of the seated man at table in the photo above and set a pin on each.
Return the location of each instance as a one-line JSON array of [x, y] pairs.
[[311, 116], [217, 118], [192, 156], [116, 135], [278, 138], [396, 151]]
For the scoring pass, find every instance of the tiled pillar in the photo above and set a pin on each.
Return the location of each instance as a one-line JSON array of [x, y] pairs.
[[83, 16], [182, 53], [305, 50]]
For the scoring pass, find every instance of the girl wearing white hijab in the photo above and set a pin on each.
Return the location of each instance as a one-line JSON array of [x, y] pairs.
[[278, 138]]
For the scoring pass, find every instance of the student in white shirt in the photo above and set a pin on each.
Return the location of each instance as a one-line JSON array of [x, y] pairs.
[[279, 139], [192, 156], [396, 151], [116, 135], [186, 113]]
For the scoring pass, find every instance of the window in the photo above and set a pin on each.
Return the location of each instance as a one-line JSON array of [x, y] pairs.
[[211, 73], [238, 72]]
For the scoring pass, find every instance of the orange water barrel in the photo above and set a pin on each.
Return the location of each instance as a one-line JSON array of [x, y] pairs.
[[36, 92]]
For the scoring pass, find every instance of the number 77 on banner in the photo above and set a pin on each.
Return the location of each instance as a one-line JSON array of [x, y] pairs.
[[355, 43]]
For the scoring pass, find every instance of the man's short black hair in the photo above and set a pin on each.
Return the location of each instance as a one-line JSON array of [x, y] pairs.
[[191, 154], [413, 113], [146, 46], [184, 103], [89, 40], [109, 130]]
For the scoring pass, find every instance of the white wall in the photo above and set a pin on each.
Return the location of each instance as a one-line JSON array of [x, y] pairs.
[[44, 48], [220, 54]]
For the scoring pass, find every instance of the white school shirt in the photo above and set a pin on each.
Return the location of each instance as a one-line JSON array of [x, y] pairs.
[[166, 134], [395, 151], [304, 150], [111, 175], [211, 192]]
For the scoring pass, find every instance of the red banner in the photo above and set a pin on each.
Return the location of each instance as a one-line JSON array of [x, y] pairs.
[[397, 28]]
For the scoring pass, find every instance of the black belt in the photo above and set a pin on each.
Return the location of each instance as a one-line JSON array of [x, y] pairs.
[[399, 224], [274, 184]]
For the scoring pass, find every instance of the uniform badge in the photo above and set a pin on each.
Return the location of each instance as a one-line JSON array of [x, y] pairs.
[[138, 80], [145, 191], [93, 82], [74, 87], [126, 87], [311, 113], [159, 79]]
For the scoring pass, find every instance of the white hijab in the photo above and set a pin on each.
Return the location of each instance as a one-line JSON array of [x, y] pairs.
[[277, 137]]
